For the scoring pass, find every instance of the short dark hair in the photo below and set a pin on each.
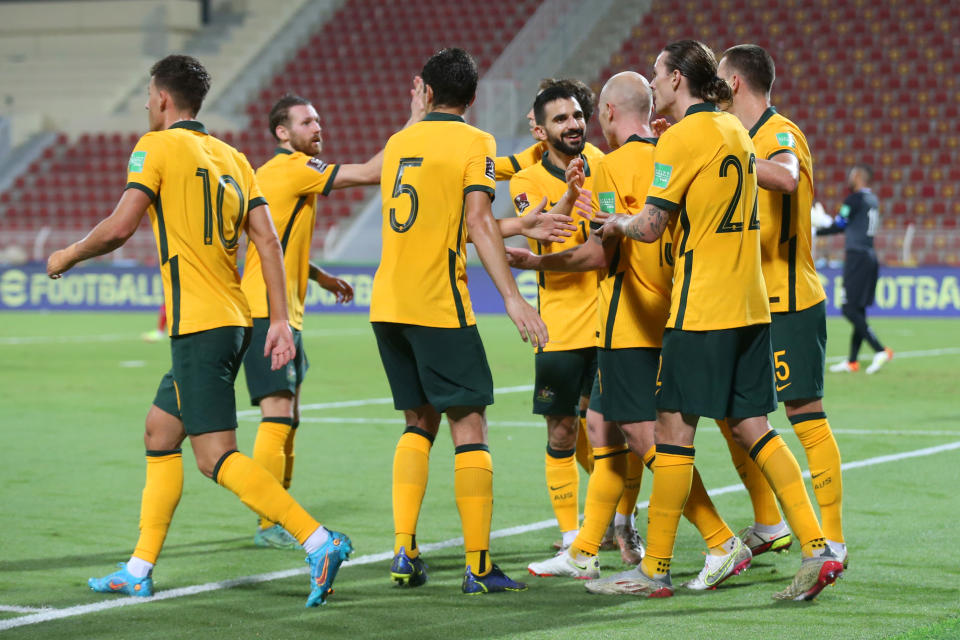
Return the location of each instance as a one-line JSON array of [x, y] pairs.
[[584, 94], [866, 168], [545, 97], [184, 78], [696, 62], [453, 76], [280, 113], [754, 64]]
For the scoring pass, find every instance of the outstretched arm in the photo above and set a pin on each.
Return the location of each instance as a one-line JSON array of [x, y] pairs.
[[587, 256], [352, 175], [112, 232], [780, 173], [485, 236]]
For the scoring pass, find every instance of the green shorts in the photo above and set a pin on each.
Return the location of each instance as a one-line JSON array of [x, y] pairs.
[[432, 365], [199, 388], [799, 349], [726, 373], [628, 384], [263, 381], [596, 397], [561, 378]]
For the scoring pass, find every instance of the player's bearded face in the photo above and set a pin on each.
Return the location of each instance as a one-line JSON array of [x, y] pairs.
[[154, 114], [565, 127], [304, 130]]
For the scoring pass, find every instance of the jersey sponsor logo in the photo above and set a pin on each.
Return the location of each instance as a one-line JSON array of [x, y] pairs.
[[137, 159], [521, 202], [786, 139], [607, 201], [318, 164], [489, 170], [661, 175]]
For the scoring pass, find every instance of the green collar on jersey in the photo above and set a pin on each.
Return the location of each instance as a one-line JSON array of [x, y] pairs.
[[193, 125], [280, 150], [439, 116], [561, 174], [701, 107], [636, 138], [762, 121]]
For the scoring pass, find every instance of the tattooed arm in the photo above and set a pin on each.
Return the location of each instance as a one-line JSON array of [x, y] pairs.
[[646, 226]]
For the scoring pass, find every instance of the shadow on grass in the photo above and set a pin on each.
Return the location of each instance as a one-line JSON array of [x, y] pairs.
[[183, 550]]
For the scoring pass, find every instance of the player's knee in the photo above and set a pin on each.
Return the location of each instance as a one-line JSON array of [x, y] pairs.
[[562, 432]]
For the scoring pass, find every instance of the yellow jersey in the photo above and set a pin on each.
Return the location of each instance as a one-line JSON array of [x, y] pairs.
[[290, 182], [705, 169], [635, 291], [567, 301], [428, 169], [785, 237], [201, 190], [506, 166]]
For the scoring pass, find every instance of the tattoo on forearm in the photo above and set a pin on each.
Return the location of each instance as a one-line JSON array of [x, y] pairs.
[[648, 225]]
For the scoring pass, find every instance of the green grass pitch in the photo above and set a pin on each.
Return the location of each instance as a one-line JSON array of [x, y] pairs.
[[75, 387]]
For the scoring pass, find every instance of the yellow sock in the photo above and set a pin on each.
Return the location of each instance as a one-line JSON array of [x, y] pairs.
[[161, 494], [823, 458], [268, 449], [631, 485], [672, 477], [603, 491], [289, 455], [473, 488], [563, 487], [701, 511], [648, 457], [584, 449], [263, 493], [765, 509], [779, 466], [411, 467]]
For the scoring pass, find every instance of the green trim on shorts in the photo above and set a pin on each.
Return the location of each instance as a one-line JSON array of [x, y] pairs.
[[724, 373], [442, 367], [630, 384], [262, 381], [561, 378], [799, 343], [205, 367]]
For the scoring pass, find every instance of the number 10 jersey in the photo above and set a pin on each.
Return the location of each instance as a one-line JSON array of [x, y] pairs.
[[428, 170], [201, 190]]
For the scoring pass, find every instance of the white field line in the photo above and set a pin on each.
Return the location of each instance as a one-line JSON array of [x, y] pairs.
[[340, 404], [13, 609], [57, 614], [135, 337]]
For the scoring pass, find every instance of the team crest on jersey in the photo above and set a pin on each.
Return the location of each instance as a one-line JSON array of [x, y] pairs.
[[546, 394], [521, 202], [489, 170], [786, 139], [137, 159], [318, 164]]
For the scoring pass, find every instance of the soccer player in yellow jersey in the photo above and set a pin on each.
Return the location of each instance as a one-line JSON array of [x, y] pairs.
[[565, 368], [717, 359], [437, 184], [201, 194], [634, 303], [291, 182], [798, 328], [507, 166]]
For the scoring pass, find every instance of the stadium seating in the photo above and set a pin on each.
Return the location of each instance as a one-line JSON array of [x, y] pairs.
[[352, 69], [870, 82], [887, 95]]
